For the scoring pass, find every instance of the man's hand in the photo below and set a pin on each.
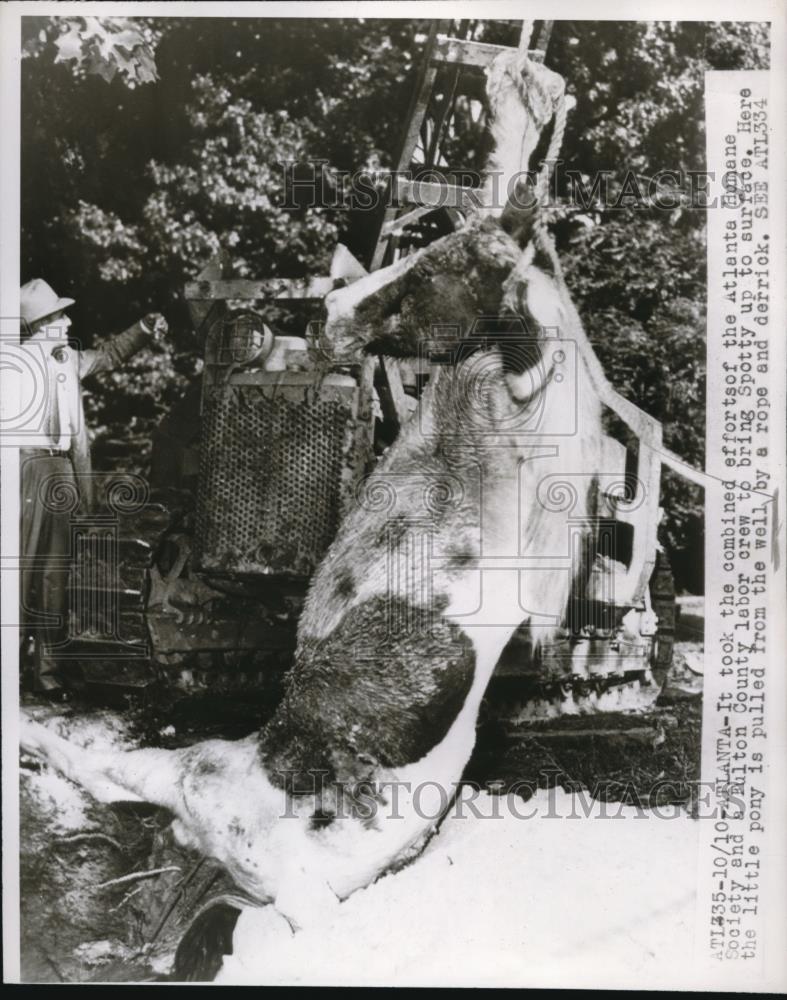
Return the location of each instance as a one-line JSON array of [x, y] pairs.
[[156, 326]]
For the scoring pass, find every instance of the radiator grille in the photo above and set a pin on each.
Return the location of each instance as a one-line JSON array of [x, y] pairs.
[[276, 463]]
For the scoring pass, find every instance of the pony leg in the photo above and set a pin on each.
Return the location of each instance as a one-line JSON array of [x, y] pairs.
[[108, 775]]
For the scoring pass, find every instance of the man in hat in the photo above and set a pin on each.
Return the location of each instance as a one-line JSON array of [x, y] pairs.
[[56, 474]]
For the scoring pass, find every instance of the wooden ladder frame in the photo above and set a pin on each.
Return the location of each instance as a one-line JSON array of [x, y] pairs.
[[407, 202]]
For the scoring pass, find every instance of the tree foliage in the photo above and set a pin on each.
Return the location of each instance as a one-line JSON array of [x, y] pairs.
[[105, 46], [147, 143]]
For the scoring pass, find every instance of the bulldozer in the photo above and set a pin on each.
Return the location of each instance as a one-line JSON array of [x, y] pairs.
[[193, 582]]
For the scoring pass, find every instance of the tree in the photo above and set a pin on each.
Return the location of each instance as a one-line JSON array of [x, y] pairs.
[[127, 190], [149, 142]]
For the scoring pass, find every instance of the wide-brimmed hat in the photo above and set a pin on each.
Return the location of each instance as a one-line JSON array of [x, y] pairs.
[[38, 299]]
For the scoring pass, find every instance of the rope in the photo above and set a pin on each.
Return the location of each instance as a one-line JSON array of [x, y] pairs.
[[527, 34], [545, 242], [555, 144]]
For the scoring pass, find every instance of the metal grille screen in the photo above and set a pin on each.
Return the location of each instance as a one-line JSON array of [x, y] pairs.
[[273, 471]]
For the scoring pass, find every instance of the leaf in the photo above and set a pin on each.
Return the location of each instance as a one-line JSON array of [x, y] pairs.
[[105, 47], [146, 66], [94, 64], [69, 44], [128, 38]]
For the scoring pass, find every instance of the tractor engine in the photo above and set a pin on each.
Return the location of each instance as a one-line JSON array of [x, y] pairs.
[[202, 573]]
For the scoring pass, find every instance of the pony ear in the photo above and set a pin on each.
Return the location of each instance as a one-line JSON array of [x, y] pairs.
[[345, 268]]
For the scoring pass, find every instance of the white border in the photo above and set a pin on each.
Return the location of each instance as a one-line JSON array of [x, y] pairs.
[[10, 61], [695, 10], [600, 10], [775, 969]]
